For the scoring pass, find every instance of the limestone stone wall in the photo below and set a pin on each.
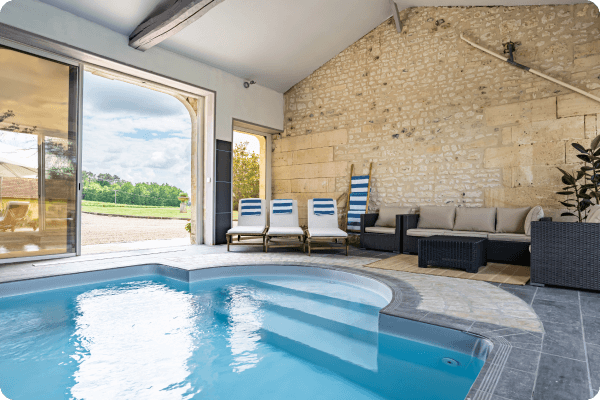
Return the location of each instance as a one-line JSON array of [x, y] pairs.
[[441, 121]]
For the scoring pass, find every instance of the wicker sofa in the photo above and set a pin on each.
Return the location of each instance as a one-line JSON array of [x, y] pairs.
[[507, 230], [383, 231]]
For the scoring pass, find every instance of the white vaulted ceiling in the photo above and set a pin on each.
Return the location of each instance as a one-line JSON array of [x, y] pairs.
[[275, 42]]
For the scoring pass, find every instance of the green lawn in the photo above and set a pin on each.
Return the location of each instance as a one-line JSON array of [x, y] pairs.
[[136, 211]]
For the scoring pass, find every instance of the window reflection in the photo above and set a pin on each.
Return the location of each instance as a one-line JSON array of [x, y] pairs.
[[132, 347], [37, 155]]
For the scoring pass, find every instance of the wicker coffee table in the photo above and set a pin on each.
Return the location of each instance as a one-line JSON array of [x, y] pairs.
[[466, 253]]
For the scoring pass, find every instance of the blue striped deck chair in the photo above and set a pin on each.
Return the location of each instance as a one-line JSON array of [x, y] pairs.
[[358, 202]]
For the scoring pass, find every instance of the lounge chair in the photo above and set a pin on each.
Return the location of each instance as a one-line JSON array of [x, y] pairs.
[[323, 224], [252, 223], [284, 223], [15, 213]]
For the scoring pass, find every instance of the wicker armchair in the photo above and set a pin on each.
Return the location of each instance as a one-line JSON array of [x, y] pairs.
[[378, 240], [565, 254]]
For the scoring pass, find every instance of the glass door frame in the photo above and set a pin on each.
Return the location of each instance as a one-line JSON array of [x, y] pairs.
[[13, 37], [77, 103]]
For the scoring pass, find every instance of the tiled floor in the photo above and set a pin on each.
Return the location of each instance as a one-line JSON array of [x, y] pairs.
[[547, 340]]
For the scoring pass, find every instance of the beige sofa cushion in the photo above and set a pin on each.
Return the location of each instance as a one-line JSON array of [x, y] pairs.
[[467, 234], [510, 237], [535, 214], [475, 219], [437, 217], [593, 216], [387, 215], [381, 229], [511, 220], [426, 232]]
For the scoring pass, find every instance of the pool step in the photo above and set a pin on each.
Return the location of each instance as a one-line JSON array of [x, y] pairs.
[[316, 297], [346, 343], [364, 318]]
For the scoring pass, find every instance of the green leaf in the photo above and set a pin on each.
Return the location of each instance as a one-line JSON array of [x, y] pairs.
[[584, 196], [586, 168], [568, 180], [584, 157], [565, 193], [595, 142], [568, 205], [563, 171], [567, 214], [579, 147]]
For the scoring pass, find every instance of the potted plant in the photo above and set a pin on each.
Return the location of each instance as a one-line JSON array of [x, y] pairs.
[[568, 253], [183, 198]]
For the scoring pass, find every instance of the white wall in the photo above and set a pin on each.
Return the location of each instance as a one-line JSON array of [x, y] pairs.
[[257, 104]]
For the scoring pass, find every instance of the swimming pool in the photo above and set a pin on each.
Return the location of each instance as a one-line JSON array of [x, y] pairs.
[[246, 337]]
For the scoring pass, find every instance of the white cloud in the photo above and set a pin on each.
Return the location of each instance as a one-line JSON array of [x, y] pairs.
[[140, 146]]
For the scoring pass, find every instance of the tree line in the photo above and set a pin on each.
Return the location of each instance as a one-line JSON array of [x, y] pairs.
[[102, 188]]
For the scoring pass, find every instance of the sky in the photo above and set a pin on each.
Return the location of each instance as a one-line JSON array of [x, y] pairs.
[[136, 133]]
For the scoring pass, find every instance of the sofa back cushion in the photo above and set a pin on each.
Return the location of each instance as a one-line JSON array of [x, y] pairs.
[[535, 214], [436, 217], [475, 219], [387, 215], [511, 220]]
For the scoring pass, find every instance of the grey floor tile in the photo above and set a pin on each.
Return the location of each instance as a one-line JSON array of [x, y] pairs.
[[523, 360], [594, 364], [556, 311], [591, 326], [564, 340], [514, 384], [590, 306], [525, 340], [525, 295], [561, 378], [589, 293], [557, 294]]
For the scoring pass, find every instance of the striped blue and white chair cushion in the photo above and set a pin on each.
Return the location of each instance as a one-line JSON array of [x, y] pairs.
[[358, 201], [323, 206], [250, 207], [282, 206]]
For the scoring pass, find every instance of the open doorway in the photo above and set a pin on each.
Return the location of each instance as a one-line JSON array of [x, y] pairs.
[[249, 168], [136, 167]]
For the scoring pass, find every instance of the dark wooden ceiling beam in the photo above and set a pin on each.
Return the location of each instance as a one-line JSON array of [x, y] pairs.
[[160, 27]]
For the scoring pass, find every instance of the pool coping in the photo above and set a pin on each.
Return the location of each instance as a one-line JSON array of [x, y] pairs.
[[495, 377]]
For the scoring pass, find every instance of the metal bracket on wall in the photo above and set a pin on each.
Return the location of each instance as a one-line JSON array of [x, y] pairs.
[[510, 47]]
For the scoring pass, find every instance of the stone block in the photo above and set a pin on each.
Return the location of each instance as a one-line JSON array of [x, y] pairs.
[[549, 131], [543, 109], [587, 49], [591, 126], [294, 143], [317, 185], [576, 104], [283, 172], [552, 153], [521, 197], [508, 114], [587, 62], [281, 158], [331, 138], [498, 157], [538, 176], [281, 186], [313, 156]]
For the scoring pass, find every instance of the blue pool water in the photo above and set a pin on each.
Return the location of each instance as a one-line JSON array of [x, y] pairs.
[[260, 337]]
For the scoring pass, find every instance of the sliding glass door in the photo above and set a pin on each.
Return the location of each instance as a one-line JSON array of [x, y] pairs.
[[38, 155]]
